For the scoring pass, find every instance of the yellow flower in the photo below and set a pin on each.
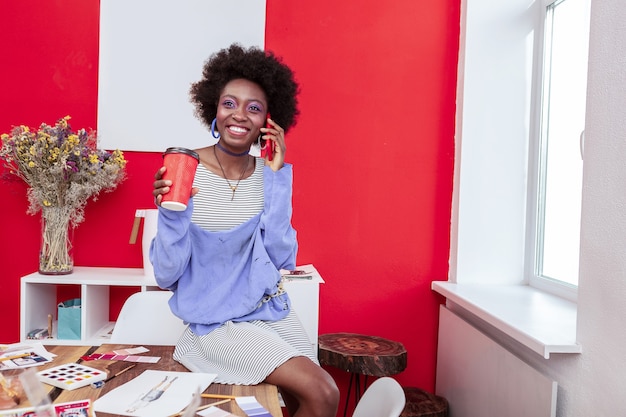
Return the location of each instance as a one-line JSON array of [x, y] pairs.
[[118, 158], [31, 164], [54, 154], [63, 121]]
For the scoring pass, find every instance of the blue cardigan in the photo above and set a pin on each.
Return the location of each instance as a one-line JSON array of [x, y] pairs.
[[227, 275]]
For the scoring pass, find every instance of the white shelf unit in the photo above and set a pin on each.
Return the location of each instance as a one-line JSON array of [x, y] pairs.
[[39, 298]]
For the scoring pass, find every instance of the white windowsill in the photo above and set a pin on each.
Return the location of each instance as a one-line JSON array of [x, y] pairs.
[[540, 321]]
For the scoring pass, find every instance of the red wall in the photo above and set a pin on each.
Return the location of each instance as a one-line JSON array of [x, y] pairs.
[[373, 155]]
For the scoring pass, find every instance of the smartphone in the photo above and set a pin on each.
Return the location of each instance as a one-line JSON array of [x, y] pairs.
[[268, 148]]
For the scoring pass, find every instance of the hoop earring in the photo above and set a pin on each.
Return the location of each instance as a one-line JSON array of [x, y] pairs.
[[258, 142], [216, 136]]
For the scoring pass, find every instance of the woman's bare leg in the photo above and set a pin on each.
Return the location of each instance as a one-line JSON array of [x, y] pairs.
[[308, 390], [290, 402]]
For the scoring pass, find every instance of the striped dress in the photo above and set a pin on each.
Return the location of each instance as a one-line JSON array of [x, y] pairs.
[[243, 353]]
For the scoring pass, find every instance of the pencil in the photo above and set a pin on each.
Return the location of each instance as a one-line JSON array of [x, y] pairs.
[[203, 407], [230, 397], [8, 358]]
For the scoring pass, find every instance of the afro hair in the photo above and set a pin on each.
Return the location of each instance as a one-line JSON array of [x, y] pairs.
[[253, 64]]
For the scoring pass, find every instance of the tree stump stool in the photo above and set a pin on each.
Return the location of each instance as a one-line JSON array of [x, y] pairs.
[[361, 355], [420, 403]]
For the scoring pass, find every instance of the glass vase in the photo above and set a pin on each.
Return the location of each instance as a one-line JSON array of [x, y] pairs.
[[56, 251]]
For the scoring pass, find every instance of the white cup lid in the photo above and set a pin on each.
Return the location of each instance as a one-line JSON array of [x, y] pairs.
[[174, 205]]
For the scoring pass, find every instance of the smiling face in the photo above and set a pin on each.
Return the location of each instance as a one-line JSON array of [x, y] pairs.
[[241, 112]]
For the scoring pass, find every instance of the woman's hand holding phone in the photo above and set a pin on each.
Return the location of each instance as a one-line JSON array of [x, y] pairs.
[[268, 150], [274, 149]]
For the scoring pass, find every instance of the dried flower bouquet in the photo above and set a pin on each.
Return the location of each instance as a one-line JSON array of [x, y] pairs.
[[63, 170]]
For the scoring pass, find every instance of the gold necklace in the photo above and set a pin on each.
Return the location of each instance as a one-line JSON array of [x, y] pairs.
[[232, 187]]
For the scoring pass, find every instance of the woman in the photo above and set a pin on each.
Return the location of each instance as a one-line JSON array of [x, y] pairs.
[[221, 257]]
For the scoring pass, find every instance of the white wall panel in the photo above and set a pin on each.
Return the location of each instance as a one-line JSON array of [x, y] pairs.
[[150, 53], [480, 378]]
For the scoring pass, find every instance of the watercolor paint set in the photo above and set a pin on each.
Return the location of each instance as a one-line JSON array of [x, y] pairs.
[[71, 376]]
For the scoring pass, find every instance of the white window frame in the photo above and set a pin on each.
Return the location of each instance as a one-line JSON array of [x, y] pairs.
[[488, 281], [556, 287]]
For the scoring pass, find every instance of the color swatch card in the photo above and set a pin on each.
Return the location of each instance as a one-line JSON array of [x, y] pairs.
[[71, 376], [127, 358], [252, 407]]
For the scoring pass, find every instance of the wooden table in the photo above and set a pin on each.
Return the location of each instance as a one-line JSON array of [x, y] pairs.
[[266, 394]]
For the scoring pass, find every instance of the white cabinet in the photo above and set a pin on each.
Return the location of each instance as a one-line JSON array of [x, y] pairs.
[[39, 298]]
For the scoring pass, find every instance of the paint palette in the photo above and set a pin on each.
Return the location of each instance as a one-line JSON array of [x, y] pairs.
[[71, 376]]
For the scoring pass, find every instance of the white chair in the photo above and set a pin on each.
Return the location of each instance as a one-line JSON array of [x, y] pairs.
[[146, 319], [383, 398]]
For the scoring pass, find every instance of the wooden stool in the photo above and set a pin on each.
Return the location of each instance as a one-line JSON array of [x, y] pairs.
[[420, 403], [361, 355]]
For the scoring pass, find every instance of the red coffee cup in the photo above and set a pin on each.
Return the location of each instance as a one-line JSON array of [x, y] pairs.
[[180, 164]]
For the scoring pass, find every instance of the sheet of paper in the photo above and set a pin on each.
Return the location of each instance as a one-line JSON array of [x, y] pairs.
[[154, 393], [24, 355], [215, 412]]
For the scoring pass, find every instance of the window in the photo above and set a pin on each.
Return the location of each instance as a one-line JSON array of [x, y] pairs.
[[496, 177], [561, 134]]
